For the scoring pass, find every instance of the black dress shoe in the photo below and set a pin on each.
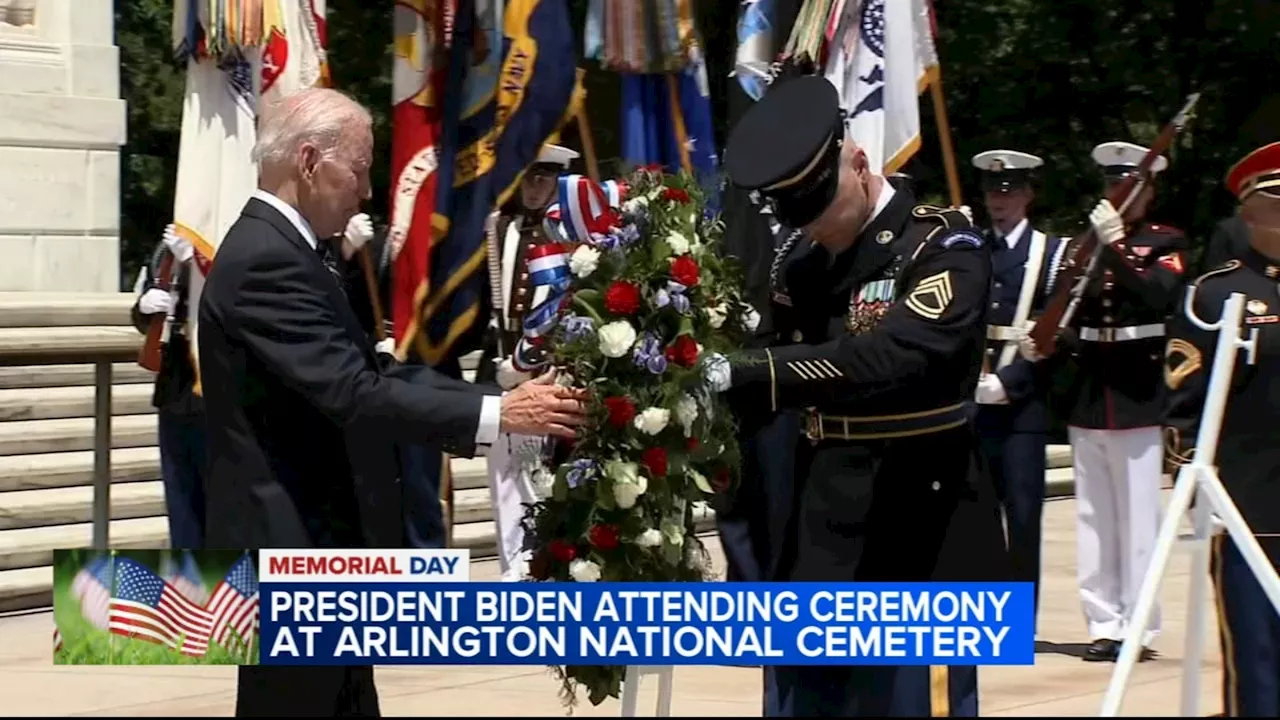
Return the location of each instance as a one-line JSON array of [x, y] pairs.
[[1102, 651]]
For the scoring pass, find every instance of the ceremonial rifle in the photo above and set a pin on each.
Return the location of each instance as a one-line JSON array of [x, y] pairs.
[[1085, 251], [150, 353]]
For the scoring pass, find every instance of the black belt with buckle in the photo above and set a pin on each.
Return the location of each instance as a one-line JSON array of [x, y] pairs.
[[884, 427]]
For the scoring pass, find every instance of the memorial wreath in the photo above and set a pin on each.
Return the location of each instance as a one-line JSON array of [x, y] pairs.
[[639, 294]]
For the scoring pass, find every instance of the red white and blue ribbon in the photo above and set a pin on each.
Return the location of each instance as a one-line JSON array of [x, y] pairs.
[[585, 207], [549, 268]]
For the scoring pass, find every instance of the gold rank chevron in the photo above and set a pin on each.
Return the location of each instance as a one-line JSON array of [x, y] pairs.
[[1177, 372], [931, 296], [815, 369]]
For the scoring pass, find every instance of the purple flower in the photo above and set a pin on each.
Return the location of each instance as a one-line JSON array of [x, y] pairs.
[[580, 472], [673, 295], [649, 354], [577, 326]]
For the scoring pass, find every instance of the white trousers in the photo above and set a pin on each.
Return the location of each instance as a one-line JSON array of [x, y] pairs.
[[511, 487], [1117, 478]]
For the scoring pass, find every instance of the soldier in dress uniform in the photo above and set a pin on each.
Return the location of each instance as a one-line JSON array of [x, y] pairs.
[[179, 410], [1012, 415], [1116, 402], [513, 458], [885, 301], [1248, 456]]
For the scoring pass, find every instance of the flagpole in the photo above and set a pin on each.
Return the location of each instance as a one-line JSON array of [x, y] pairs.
[[944, 137], [584, 133], [111, 637]]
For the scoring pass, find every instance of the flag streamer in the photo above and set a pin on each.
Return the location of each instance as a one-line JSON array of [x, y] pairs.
[[642, 36]]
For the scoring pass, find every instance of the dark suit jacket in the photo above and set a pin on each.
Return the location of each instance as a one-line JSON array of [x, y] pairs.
[[1229, 241], [293, 395]]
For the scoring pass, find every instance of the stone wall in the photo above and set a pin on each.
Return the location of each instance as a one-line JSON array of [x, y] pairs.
[[62, 123]]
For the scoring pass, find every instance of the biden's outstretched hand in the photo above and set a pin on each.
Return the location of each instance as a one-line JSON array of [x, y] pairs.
[[541, 407]]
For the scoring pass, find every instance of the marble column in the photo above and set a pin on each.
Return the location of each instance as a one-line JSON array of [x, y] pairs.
[[62, 123]]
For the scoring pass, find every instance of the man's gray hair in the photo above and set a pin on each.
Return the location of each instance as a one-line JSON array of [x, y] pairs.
[[318, 116]]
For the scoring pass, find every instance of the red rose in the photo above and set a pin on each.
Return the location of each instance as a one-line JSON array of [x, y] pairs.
[[684, 271], [562, 551], [621, 410], [622, 298], [693, 444], [540, 565], [655, 459], [604, 537], [721, 480], [676, 195], [684, 351]]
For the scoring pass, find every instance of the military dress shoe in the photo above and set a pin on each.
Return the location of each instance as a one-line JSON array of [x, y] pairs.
[[1102, 651]]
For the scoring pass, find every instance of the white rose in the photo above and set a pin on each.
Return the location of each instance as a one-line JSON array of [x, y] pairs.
[[584, 261], [750, 319], [653, 420], [628, 483], [717, 315], [687, 412], [649, 538], [678, 243], [673, 533], [584, 571], [693, 557], [543, 480], [616, 338], [635, 204]]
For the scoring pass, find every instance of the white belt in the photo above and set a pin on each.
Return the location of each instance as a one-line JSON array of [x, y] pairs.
[[1004, 332], [1121, 334]]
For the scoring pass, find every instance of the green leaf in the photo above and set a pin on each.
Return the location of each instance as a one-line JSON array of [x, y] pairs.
[[672, 554], [700, 481], [560, 488]]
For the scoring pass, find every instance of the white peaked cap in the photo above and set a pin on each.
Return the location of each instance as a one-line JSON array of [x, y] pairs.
[[1124, 154], [999, 160], [556, 155]]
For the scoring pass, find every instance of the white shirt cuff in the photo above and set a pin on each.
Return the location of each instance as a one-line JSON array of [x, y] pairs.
[[490, 420]]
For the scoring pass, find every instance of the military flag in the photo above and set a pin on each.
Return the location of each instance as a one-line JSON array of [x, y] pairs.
[[881, 58], [237, 53], [516, 92]]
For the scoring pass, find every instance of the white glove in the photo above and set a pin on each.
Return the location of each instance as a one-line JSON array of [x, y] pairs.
[[990, 391], [154, 302], [509, 377], [358, 233], [1106, 222], [1026, 348], [385, 346], [968, 212], [178, 245], [716, 373]]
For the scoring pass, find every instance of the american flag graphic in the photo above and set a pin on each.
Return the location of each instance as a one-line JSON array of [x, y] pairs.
[[91, 587], [146, 607], [234, 606], [184, 574]]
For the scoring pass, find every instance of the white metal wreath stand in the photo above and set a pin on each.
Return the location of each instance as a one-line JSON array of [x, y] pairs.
[[631, 688], [1198, 480]]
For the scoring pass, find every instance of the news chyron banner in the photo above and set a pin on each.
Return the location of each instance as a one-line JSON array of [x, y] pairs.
[[420, 607]]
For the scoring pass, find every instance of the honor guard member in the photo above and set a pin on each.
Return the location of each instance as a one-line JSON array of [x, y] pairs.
[[179, 410], [885, 328], [513, 458], [1248, 455], [1012, 413], [1117, 399]]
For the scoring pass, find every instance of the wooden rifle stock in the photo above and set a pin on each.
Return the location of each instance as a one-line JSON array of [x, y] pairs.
[[152, 347], [1084, 252]]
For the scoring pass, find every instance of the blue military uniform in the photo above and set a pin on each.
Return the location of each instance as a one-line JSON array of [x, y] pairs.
[[1248, 455], [1012, 414], [879, 351]]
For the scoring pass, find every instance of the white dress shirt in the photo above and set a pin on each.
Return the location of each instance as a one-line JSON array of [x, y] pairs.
[[491, 405], [1011, 239]]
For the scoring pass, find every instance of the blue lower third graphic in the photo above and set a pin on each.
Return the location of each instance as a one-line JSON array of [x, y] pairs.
[[647, 624]]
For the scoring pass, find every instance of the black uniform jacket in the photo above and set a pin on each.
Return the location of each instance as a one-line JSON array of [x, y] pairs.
[[888, 340], [1118, 383], [1248, 452], [175, 381], [291, 387]]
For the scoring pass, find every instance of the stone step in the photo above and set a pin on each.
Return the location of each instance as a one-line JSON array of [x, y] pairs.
[[33, 547], [26, 437], [65, 506], [49, 309], [68, 469], [47, 376], [72, 402], [1058, 456], [74, 344], [26, 588]]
